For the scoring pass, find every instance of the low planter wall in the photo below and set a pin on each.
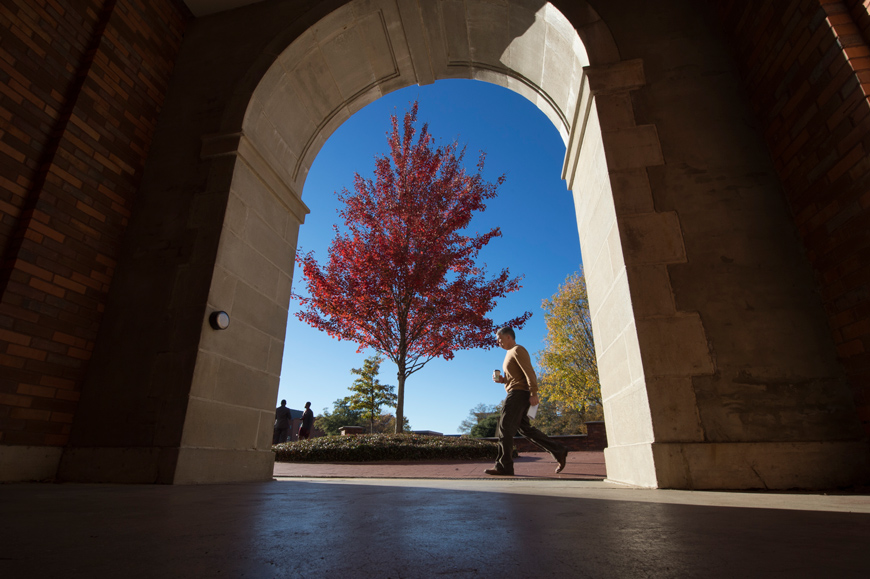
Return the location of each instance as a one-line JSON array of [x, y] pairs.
[[594, 440]]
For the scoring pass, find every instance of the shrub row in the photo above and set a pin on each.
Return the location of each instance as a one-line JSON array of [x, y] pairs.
[[372, 447]]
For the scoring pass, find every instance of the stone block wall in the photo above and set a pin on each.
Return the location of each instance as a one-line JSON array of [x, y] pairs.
[[739, 374], [806, 66], [81, 86]]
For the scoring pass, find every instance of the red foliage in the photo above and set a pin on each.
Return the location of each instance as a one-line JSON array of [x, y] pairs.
[[402, 278]]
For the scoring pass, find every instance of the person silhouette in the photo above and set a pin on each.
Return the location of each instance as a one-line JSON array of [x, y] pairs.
[[307, 423], [282, 423]]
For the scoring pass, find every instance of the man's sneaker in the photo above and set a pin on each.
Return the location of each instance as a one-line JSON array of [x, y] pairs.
[[498, 472], [561, 460]]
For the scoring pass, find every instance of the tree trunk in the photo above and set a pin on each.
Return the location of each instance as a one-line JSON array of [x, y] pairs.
[[400, 401], [401, 375]]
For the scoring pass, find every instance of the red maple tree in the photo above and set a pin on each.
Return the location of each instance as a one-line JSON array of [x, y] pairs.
[[402, 278]]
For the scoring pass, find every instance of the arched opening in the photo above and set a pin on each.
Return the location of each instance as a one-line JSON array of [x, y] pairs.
[[534, 211], [366, 49]]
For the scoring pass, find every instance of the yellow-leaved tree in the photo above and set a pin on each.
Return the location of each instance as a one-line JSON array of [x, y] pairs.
[[568, 369]]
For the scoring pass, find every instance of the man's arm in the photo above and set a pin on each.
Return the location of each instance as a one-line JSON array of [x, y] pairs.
[[525, 362]]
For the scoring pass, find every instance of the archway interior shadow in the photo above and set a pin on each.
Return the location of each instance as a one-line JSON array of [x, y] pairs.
[[335, 529], [218, 211]]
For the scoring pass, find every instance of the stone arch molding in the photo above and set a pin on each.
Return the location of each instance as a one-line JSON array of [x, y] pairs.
[[367, 48]]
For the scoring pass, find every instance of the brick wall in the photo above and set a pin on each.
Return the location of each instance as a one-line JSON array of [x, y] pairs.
[[81, 86], [807, 69], [39, 55]]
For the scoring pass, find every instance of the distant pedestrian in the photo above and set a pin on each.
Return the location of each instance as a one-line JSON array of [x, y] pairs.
[[522, 392], [307, 423], [282, 423]]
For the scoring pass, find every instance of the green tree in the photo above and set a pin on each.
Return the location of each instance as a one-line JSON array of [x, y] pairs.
[[568, 368], [387, 424], [486, 427], [342, 415], [368, 394], [475, 415], [555, 417]]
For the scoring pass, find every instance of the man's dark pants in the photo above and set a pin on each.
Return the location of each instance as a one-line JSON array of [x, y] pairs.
[[279, 435], [514, 418]]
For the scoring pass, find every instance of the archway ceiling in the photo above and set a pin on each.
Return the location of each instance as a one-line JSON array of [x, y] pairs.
[[369, 48], [206, 7]]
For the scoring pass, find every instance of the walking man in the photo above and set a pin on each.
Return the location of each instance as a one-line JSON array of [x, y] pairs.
[[282, 423], [521, 385]]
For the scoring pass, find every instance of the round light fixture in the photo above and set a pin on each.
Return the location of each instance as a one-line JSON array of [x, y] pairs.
[[219, 320]]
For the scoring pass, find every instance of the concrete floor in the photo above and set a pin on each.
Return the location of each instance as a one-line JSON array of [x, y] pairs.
[[349, 528]]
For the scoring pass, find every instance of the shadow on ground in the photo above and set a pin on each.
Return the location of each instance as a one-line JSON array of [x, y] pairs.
[[393, 529]]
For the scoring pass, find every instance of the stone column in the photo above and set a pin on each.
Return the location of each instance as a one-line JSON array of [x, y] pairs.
[[227, 431], [715, 365], [605, 186]]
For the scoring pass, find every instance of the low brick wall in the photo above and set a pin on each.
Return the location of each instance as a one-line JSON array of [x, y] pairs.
[[594, 440], [351, 430]]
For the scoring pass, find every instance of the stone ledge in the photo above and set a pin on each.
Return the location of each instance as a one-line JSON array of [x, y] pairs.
[[215, 465], [762, 465], [741, 465], [630, 464], [150, 465], [121, 465], [29, 463]]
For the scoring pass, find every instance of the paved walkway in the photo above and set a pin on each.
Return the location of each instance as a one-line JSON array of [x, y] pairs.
[[529, 465]]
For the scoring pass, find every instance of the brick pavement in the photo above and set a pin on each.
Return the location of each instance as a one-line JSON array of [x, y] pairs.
[[529, 465]]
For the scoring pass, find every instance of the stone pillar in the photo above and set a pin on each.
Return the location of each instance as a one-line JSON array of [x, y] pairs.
[[202, 409], [602, 183], [716, 367], [227, 431]]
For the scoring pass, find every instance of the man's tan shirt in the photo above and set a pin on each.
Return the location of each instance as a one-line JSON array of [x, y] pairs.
[[518, 371]]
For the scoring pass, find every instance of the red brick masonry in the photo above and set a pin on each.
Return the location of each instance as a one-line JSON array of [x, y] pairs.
[[81, 86]]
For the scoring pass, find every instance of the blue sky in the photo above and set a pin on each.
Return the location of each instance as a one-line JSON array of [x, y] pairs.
[[539, 240]]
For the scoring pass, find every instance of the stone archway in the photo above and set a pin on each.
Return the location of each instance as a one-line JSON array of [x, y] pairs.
[[366, 49], [681, 221]]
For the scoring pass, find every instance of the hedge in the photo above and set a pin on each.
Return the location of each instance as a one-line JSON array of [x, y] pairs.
[[374, 447]]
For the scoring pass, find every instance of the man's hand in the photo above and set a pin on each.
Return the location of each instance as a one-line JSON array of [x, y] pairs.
[[533, 400]]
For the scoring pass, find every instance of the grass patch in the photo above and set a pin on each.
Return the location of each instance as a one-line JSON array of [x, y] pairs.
[[374, 447]]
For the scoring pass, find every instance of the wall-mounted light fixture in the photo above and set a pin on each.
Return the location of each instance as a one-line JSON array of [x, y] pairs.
[[219, 320]]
